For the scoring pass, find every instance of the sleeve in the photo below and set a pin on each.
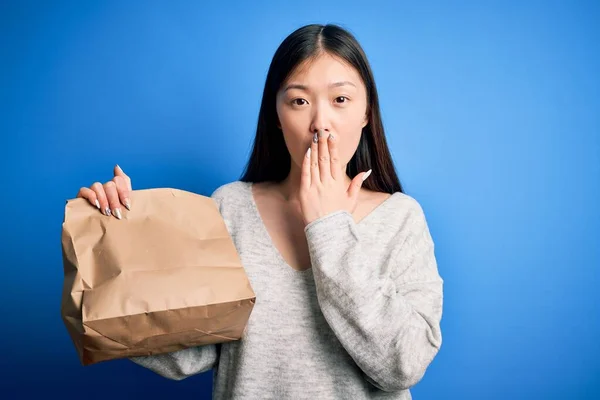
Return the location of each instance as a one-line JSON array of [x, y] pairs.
[[388, 319], [187, 362], [180, 364]]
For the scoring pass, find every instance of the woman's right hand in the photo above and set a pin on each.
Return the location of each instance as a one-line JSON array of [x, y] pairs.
[[109, 197]]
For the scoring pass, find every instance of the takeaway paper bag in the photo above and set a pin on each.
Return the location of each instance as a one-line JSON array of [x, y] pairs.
[[165, 277]]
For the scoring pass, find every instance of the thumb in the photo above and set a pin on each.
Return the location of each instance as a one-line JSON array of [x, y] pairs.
[[357, 183], [118, 171]]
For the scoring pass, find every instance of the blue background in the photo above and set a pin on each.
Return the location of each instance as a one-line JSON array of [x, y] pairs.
[[492, 110]]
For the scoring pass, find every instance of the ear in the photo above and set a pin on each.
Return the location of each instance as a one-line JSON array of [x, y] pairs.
[[365, 121]]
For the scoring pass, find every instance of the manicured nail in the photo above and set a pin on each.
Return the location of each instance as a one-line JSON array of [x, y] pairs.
[[308, 153], [97, 204], [330, 137], [118, 213], [366, 175], [107, 211], [128, 204], [315, 137]]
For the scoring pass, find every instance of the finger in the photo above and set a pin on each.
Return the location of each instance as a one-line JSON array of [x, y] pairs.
[[89, 195], [305, 175], [123, 191], [324, 164], [357, 183], [101, 196], [334, 158], [314, 161], [118, 171], [113, 198]]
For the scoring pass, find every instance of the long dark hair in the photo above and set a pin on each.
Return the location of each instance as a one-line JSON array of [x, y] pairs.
[[270, 160]]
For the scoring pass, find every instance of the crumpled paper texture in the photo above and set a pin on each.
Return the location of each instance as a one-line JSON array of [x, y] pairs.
[[165, 277]]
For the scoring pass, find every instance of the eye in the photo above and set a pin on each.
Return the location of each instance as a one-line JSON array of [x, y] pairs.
[[299, 102], [341, 99]]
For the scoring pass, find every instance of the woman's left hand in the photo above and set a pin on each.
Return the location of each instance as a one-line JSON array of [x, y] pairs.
[[323, 183]]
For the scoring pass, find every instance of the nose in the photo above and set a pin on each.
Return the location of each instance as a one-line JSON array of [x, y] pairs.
[[321, 119]]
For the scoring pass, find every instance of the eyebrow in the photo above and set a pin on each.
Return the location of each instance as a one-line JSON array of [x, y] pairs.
[[304, 87]]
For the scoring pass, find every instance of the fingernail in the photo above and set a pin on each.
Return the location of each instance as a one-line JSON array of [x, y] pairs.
[[128, 204], [330, 137], [365, 176], [315, 137], [308, 153], [97, 204], [107, 211], [321, 133], [118, 213]]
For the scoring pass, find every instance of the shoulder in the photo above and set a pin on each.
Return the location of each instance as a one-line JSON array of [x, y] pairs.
[[230, 191], [406, 214], [407, 203], [397, 206], [234, 204]]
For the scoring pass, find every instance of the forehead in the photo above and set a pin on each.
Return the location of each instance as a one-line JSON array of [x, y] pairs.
[[324, 68]]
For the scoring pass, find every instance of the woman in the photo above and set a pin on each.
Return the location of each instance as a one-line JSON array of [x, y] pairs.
[[349, 299]]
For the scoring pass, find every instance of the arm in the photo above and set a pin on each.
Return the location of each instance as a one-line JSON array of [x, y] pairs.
[[388, 322], [184, 363]]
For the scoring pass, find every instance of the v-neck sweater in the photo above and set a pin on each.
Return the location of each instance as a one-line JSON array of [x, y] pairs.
[[362, 323]]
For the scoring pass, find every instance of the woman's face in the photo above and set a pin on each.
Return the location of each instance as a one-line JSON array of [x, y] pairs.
[[322, 93]]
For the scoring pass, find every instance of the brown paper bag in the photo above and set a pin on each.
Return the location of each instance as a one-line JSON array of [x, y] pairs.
[[165, 277]]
